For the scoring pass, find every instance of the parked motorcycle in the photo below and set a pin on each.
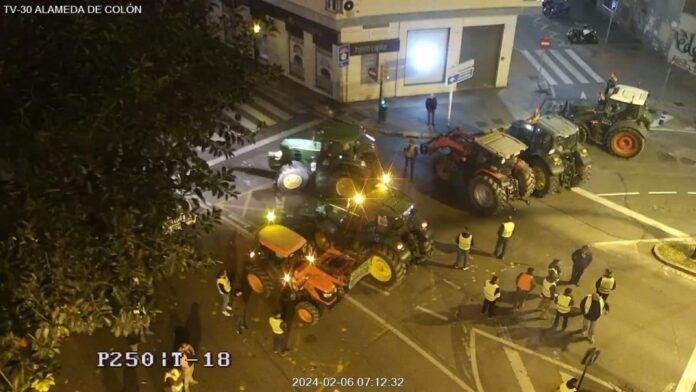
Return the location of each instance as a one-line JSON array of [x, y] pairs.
[[555, 8], [584, 35]]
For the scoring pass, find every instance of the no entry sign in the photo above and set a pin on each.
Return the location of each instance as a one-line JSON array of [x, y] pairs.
[[372, 73], [545, 42]]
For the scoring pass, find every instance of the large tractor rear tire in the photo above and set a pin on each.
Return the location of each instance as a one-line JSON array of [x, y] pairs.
[[625, 140], [307, 312], [445, 168], [262, 280], [293, 177], [583, 132], [486, 194], [525, 178], [386, 269], [544, 181]]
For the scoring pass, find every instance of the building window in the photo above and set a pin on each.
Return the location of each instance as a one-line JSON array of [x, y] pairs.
[[324, 81], [369, 68], [335, 6], [426, 56], [296, 57]]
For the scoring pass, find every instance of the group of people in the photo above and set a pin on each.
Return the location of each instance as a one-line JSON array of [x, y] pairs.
[[465, 241]]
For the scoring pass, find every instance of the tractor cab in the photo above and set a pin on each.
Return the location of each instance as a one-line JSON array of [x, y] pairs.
[[626, 103], [549, 133], [500, 150]]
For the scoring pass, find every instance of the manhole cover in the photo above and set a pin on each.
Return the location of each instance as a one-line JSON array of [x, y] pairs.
[[498, 121], [680, 104], [687, 161], [481, 124]]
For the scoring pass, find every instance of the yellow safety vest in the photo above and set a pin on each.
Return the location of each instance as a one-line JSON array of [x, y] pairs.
[[588, 304], [546, 288], [508, 228], [489, 290], [465, 242], [225, 282], [563, 303], [606, 285], [276, 325], [565, 388], [175, 376], [411, 150]]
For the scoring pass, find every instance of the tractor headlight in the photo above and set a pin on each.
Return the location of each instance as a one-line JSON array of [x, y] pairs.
[[552, 151], [311, 259], [386, 179], [560, 148], [286, 278], [363, 164], [399, 246], [276, 154], [358, 198], [270, 216], [367, 135], [313, 166], [424, 225], [583, 152], [556, 160], [252, 254]]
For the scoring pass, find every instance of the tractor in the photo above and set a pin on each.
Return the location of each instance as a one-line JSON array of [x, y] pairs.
[[336, 160], [620, 122], [554, 153], [487, 165], [284, 264]]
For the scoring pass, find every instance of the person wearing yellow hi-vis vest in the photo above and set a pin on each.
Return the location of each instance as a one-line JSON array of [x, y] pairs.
[[491, 293], [464, 243], [504, 234], [569, 386], [564, 303], [224, 288], [173, 381], [279, 328], [605, 284]]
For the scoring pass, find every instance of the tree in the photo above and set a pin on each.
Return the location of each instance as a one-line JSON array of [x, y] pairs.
[[100, 116]]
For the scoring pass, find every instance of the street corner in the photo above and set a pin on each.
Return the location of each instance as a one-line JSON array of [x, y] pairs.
[[678, 254], [501, 365]]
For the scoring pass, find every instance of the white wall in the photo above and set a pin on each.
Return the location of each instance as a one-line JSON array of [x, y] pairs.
[[683, 48]]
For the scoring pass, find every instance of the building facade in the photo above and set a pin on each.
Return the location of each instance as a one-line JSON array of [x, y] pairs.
[[342, 48]]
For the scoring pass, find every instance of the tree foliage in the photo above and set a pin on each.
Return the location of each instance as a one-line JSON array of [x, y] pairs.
[[100, 117]]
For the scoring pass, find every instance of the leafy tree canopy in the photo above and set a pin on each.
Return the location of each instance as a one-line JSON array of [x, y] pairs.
[[100, 118]]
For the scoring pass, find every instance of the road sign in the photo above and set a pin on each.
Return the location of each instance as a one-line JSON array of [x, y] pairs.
[[590, 357], [343, 55], [460, 72], [545, 42]]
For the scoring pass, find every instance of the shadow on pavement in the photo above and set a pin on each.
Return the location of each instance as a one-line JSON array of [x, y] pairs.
[[110, 381], [254, 171], [193, 325], [130, 380]]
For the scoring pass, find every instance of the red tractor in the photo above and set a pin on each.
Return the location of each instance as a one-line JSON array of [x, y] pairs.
[[486, 165]]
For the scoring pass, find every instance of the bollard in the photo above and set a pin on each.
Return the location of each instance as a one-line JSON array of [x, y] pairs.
[[663, 117]]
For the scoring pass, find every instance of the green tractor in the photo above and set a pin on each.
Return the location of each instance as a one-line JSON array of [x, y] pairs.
[[336, 160], [620, 122], [554, 153]]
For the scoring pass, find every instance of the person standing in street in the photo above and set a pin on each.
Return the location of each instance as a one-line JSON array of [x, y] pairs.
[[173, 380], [491, 293], [504, 234], [279, 328], [569, 386], [430, 106], [564, 303], [525, 285], [410, 153], [464, 243], [548, 293], [224, 288], [611, 83], [186, 367], [592, 307], [238, 311], [581, 260], [605, 284], [555, 265]]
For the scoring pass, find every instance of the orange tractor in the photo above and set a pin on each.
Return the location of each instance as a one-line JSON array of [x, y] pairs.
[[285, 264], [486, 166]]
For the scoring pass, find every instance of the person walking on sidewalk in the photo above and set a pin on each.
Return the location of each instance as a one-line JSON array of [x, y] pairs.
[[605, 284], [581, 260], [464, 243], [186, 367], [279, 328], [491, 293], [564, 303], [525, 285], [224, 288], [555, 266], [592, 307], [238, 311], [430, 106], [410, 153], [504, 234], [548, 294]]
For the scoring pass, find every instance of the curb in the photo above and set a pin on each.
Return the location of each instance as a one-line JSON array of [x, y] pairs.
[[668, 263]]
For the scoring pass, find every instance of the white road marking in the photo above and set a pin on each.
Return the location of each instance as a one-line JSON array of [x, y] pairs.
[[548, 61], [629, 242], [243, 121], [691, 193], [536, 66], [519, 370], [584, 66], [619, 194], [411, 343], [673, 130], [569, 67], [272, 108], [288, 101], [246, 205], [456, 286], [635, 215], [669, 387], [474, 361], [556, 362], [688, 378], [432, 313], [662, 193], [375, 288], [258, 115], [263, 142]]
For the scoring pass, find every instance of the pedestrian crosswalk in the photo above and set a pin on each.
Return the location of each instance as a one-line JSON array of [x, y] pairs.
[[562, 66]]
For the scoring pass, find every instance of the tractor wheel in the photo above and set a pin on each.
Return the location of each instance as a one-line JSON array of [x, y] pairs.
[[261, 280], [583, 132], [445, 168], [344, 183], [545, 182], [583, 175], [625, 142], [307, 312], [486, 194], [525, 178], [293, 177], [386, 269]]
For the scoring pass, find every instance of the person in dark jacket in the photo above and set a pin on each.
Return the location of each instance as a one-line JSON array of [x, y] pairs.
[[611, 83], [430, 106], [555, 265], [581, 260], [592, 308], [238, 310]]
